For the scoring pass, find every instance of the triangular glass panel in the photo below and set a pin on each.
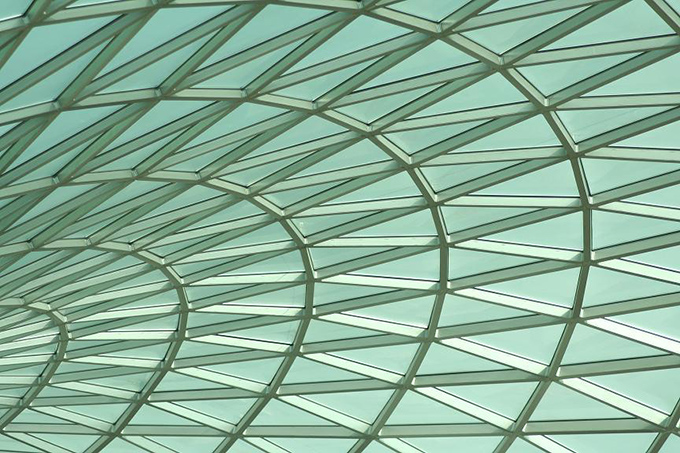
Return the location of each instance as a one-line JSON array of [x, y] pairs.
[[609, 347], [416, 409], [630, 21], [538, 343], [562, 403]]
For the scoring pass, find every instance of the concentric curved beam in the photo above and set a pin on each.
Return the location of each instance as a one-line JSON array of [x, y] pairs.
[[125, 193], [50, 368]]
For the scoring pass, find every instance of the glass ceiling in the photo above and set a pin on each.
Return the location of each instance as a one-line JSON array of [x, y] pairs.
[[340, 226]]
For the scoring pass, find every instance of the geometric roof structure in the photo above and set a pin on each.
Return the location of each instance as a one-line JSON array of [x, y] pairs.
[[411, 226]]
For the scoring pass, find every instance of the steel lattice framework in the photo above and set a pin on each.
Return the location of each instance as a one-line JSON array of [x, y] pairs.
[[339, 226]]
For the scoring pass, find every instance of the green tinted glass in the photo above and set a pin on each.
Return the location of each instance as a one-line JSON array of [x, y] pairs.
[[339, 226]]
